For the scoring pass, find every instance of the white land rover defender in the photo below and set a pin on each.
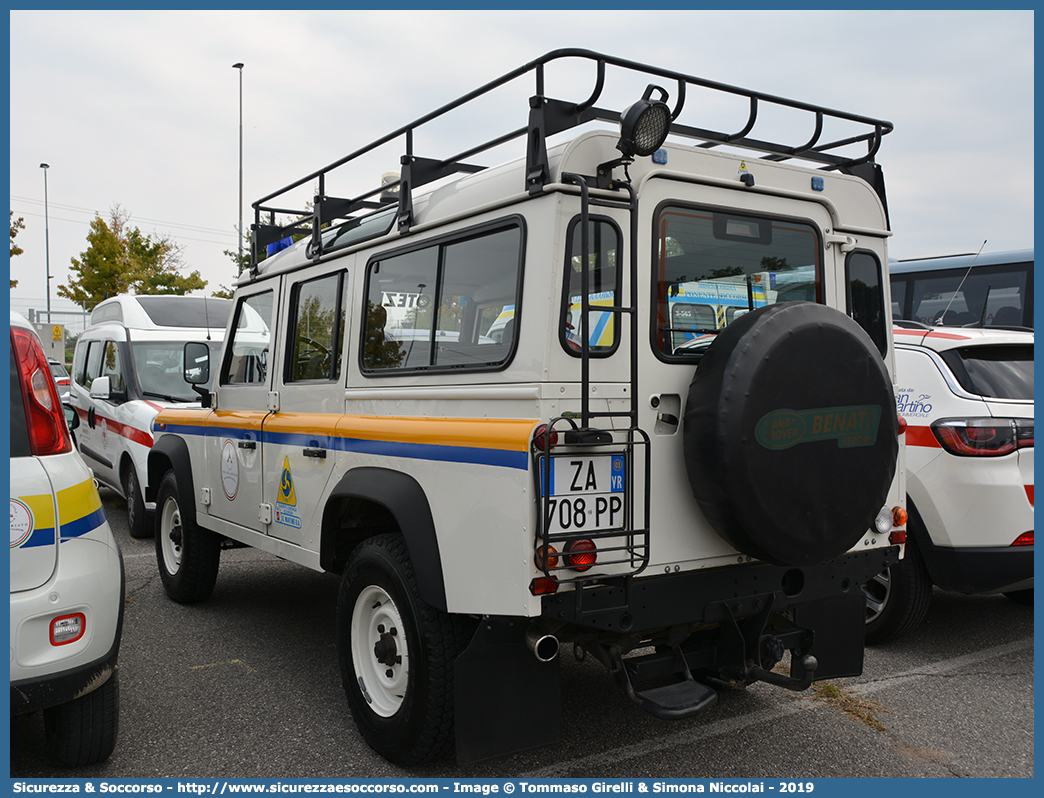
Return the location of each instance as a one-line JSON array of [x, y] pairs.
[[631, 393]]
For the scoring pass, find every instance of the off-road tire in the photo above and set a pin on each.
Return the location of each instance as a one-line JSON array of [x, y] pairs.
[[188, 556], [404, 709], [139, 528], [83, 731], [898, 597]]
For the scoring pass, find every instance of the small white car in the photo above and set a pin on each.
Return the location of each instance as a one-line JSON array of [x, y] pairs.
[[61, 378], [66, 572], [966, 396], [127, 367]]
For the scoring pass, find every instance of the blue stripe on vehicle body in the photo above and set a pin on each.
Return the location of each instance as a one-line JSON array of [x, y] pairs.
[[417, 451], [81, 526]]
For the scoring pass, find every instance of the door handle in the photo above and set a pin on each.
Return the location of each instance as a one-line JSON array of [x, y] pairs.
[[320, 453], [90, 417], [248, 444]]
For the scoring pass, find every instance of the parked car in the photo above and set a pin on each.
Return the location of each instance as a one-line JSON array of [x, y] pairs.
[[967, 399], [61, 378], [66, 571], [126, 367]]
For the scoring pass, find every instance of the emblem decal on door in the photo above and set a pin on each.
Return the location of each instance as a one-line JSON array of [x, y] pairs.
[[286, 501], [21, 523], [229, 470]]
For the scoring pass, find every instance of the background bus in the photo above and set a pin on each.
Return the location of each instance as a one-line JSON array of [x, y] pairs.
[[930, 290]]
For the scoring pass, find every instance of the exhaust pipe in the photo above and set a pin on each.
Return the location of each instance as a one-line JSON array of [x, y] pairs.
[[543, 646]]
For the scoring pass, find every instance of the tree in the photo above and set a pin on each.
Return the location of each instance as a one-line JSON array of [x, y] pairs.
[[16, 225], [121, 258]]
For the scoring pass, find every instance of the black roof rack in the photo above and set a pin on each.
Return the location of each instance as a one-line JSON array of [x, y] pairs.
[[547, 117]]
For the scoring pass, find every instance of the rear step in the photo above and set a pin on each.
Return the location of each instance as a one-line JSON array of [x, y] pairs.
[[681, 699], [675, 701]]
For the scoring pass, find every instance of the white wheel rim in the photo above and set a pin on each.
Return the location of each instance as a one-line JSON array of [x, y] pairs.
[[378, 631], [171, 533]]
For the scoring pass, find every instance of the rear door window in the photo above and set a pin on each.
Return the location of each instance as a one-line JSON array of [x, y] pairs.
[[714, 266], [995, 372]]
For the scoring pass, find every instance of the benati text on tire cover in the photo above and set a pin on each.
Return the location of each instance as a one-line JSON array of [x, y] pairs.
[[630, 391]]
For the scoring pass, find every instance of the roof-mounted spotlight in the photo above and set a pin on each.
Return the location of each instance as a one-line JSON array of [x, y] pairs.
[[644, 126]]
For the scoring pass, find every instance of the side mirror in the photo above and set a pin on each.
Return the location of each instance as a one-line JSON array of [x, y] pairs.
[[100, 388], [72, 418], [197, 363]]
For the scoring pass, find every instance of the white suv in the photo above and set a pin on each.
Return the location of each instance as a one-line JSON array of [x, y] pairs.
[[966, 396], [472, 394], [66, 572], [126, 368]]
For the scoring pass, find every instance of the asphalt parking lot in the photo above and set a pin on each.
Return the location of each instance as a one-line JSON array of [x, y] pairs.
[[246, 686]]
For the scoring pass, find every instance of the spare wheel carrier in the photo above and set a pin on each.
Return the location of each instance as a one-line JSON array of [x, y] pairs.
[[791, 433]]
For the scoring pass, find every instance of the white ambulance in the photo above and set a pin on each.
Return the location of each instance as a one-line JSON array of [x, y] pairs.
[[487, 492], [127, 367]]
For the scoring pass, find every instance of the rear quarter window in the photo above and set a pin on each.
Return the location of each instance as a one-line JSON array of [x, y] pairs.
[[996, 372]]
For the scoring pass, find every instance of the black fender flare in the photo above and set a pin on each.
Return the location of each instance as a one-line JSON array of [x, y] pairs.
[[404, 498], [171, 453]]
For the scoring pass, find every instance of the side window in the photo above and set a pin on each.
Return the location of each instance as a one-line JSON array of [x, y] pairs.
[[865, 297], [112, 368], [452, 304], [317, 329], [603, 287], [898, 289], [79, 370], [246, 362], [94, 362]]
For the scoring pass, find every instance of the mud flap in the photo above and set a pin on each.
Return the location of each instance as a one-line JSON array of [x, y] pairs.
[[506, 700], [838, 626]]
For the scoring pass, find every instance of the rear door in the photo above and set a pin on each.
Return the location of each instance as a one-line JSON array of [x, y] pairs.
[[711, 263], [300, 450]]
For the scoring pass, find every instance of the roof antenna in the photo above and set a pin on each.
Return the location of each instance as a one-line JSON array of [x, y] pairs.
[[206, 315], [961, 284]]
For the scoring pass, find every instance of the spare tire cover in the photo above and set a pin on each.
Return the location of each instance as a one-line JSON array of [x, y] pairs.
[[791, 433]]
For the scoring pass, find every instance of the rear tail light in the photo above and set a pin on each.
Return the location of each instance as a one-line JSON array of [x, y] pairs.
[[902, 425], [552, 557], [1025, 539], [68, 629], [580, 554], [541, 437], [45, 422], [984, 437]]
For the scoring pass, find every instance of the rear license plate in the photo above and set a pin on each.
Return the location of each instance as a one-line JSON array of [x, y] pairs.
[[587, 493]]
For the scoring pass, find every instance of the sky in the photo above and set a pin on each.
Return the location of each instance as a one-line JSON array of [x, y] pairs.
[[140, 110]]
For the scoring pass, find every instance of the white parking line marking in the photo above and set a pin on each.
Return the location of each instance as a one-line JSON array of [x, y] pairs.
[[654, 745]]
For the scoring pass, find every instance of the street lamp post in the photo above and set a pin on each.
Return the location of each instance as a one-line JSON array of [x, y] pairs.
[[47, 243], [239, 66]]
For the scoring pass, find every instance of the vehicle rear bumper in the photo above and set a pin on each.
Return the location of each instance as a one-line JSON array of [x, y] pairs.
[[979, 569], [642, 604]]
